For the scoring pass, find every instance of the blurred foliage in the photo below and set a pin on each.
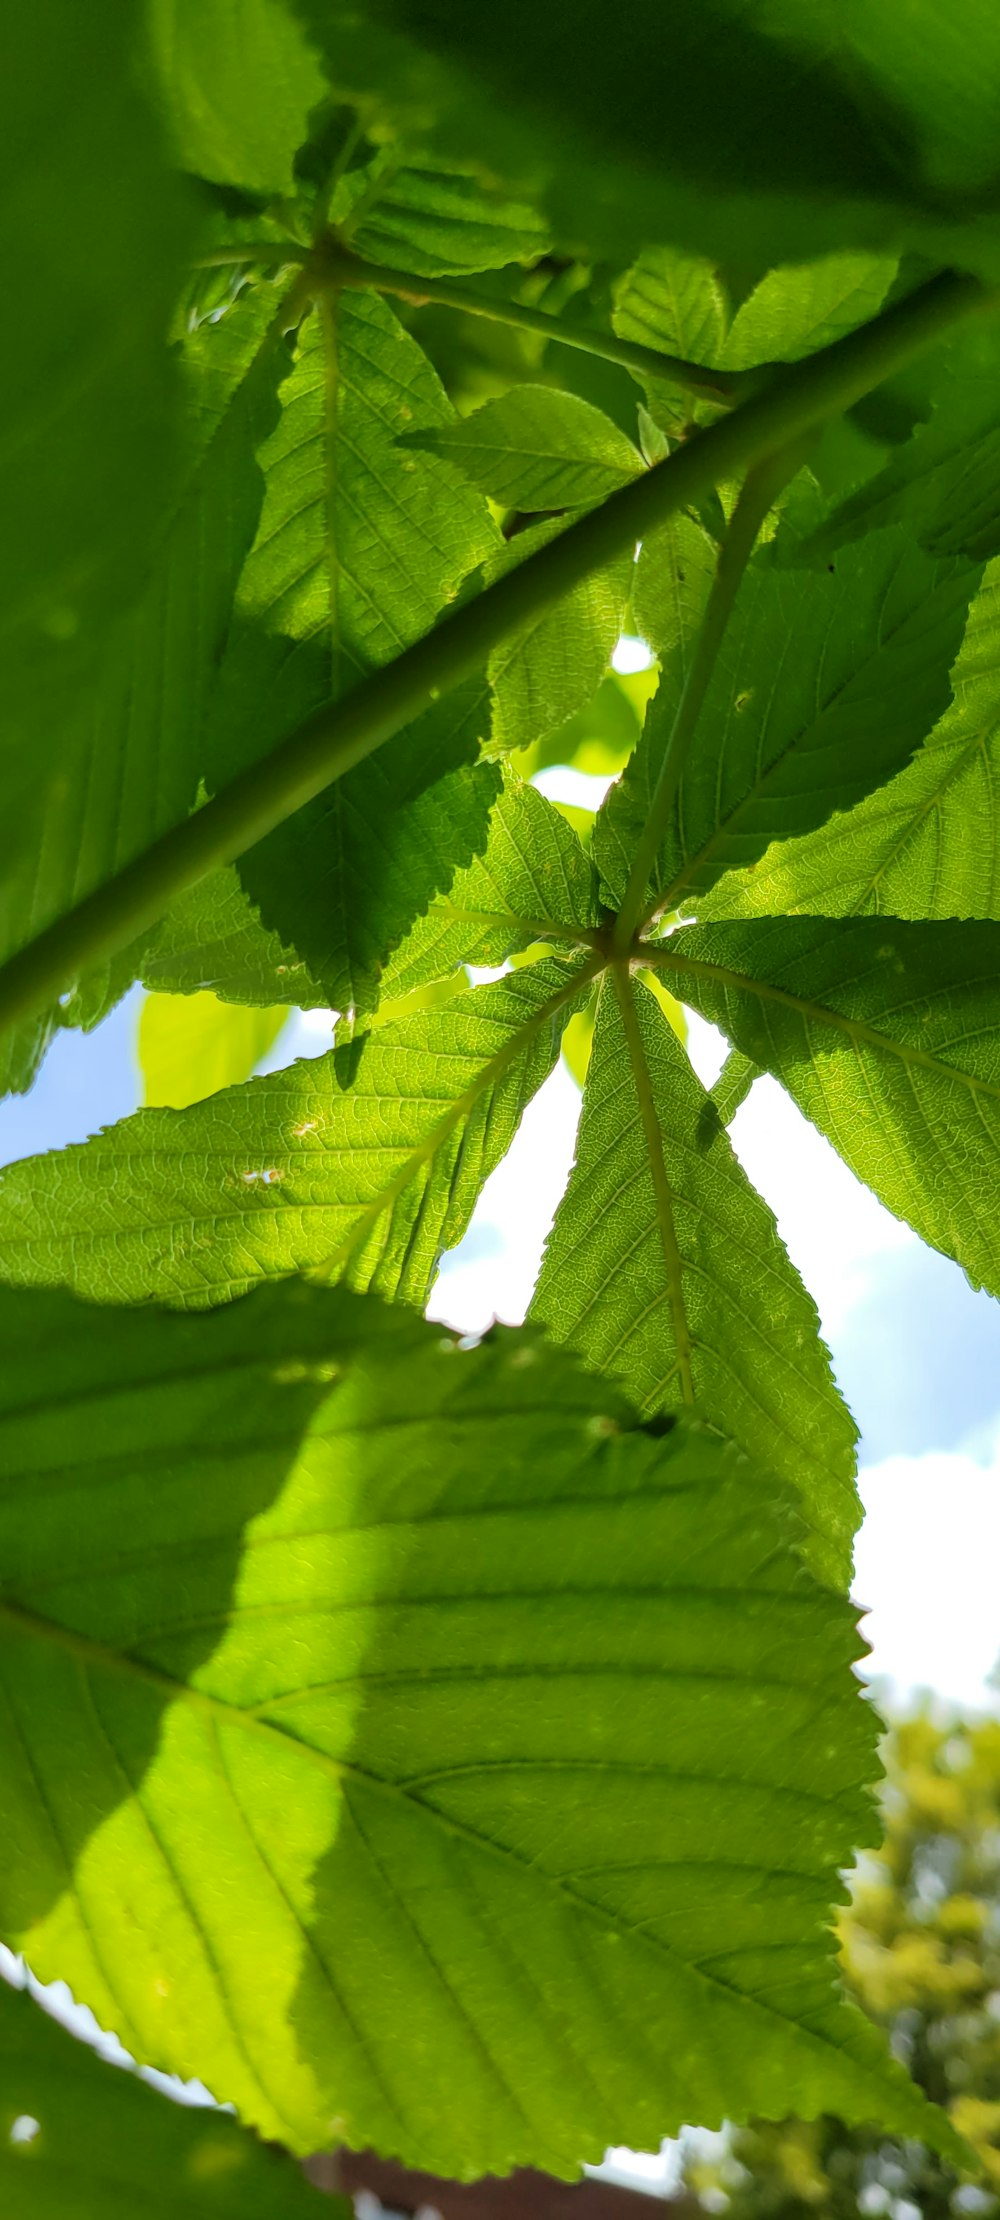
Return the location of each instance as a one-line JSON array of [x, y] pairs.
[[920, 1947]]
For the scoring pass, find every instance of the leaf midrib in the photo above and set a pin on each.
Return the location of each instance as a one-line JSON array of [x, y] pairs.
[[662, 1197], [857, 1030], [94, 1655]]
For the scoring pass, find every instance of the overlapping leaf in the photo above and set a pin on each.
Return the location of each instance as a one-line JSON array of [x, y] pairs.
[[665, 1270], [945, 481], [927, 844], [364, 1163], [748, 139], [536, 448], [237, 80], [824, 685], [360, 545], [127, 761], [532, 883], [191, 1045], [433, 1674], [88, 2141], [887, 1035], [213, 940], [434, 220]]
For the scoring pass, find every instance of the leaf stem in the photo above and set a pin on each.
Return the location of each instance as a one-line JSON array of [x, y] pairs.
[[759, 493], [343, 733], [252, 250], [351, 269]]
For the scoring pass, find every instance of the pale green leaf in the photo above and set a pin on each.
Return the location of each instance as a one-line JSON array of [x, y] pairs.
[[364, 1163], [824, 685], [236, 81], [388, 1761], [191, 1045], [434, 220], [92, 2141], [796, 310], [664, 1268], [536, 448], [887, 1035], [532, 883], [927, 844]]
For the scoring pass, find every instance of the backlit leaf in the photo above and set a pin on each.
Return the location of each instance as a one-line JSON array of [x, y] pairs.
[[515, 1737], [665, 1270]]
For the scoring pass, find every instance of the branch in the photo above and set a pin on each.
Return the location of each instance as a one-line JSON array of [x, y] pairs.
[[342, 733]]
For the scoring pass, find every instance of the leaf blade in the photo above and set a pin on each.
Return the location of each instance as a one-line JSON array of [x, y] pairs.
[[484, 1642]]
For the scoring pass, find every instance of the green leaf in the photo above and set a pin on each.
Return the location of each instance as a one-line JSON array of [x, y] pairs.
[[364, 1163], [887, 1035], [437, 221], [213, 939], [236, 80], [795, 311], [537, 448], [360, 546], [927, 844], [92, 237], [554, 665], [945, 481], [533, 882], [675, 302], [673, 578], [824, 685], [106, 2146], [751, 139], [664, 1268], [126, 764], [431, 1674], [191, 1045], [378, 846]]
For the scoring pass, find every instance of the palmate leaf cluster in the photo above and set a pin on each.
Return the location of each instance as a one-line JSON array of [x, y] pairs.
[[451, 1750]]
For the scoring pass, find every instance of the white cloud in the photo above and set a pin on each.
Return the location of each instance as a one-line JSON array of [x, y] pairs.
[[928, 1559]]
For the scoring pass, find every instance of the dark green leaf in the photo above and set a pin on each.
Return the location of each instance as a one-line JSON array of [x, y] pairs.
[[946, 480], [91, 2141]]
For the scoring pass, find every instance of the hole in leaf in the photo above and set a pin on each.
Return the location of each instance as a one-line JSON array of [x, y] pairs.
[[24, 2130]]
